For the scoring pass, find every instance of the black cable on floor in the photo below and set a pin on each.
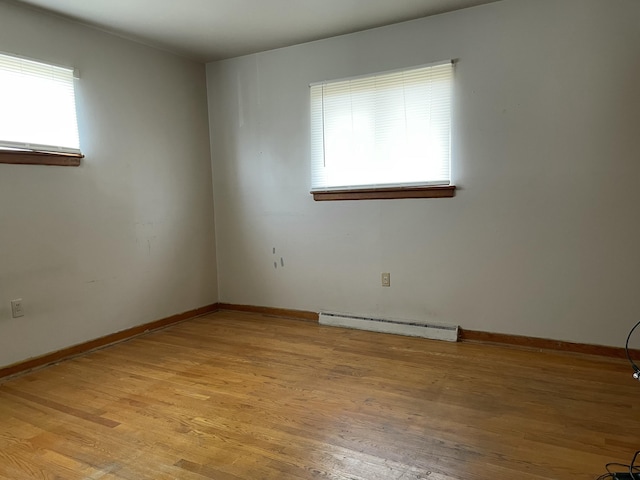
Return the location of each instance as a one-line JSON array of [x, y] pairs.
[[636, 369]]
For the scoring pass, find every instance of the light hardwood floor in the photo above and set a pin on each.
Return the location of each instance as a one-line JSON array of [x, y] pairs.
[[236, 396]]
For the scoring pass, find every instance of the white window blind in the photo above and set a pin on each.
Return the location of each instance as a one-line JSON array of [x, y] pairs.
[[387, 129], [38, 108]]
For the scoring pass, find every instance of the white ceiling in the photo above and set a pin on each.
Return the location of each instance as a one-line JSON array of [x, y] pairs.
[[207, 30]]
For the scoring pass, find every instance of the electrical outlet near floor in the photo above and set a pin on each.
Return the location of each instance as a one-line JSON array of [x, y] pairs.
[[17, 308], [386, 279]]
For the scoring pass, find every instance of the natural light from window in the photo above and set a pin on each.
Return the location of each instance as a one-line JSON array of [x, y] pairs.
[[38, 106], [387, 129]]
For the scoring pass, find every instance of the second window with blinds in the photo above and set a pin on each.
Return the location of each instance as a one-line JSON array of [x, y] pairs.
[[385, 135], [38, 122]]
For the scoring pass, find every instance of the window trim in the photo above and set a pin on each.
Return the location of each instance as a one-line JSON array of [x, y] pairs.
[[33, 153], [423, 188], [432, 191], [22, 157]]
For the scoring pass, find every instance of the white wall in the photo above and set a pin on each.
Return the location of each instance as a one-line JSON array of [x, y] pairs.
[[128, 237], [542, 238]]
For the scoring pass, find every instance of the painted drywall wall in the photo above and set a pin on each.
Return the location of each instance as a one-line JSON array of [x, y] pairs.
[[127, 237], [542, 237]]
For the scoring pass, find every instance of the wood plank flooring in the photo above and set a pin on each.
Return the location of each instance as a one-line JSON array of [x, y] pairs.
[[236, 396]]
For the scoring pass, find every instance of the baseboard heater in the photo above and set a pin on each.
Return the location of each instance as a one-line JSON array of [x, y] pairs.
[[411, 328]]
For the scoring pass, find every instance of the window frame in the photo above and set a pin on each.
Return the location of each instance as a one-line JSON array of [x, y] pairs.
[[434, 188], [21, 154]]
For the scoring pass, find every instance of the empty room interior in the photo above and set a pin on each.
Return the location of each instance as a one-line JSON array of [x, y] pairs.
[[189, 293]]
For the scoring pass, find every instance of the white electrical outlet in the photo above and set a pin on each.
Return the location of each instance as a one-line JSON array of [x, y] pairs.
[[17, 309], [386, 279]]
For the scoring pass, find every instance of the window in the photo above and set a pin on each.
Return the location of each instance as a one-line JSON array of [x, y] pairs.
[[388, 132], [38, 116]]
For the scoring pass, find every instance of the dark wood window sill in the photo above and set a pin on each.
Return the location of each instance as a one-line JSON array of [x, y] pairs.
[[18, 157], [439, 191]]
